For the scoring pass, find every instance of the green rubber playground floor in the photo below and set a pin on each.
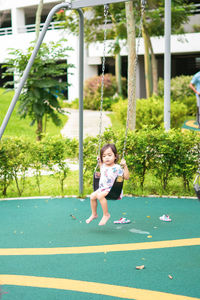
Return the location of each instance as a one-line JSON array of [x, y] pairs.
[[99, 262], [191, 125]]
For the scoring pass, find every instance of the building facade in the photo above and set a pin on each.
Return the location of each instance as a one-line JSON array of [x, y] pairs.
[[17, 30]]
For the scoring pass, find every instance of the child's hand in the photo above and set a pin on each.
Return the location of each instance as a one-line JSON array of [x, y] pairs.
[[123, 162]]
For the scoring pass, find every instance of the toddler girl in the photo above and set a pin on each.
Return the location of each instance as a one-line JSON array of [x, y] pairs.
[[109, 171]]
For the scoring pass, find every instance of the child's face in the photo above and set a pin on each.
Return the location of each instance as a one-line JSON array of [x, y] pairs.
[[108, 157]]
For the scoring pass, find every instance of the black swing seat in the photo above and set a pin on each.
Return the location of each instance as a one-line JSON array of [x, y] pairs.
[[116, 189], [197, 185]]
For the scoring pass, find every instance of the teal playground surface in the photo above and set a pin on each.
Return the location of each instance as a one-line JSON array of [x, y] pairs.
[[47, 251], [191, 125]]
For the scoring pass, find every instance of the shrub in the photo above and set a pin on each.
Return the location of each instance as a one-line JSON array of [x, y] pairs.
[[5, 170], [37, 161], [140, 150], [71, 147], [191, 104], [120, 110], [92, 91], [151, 112], [179, 87], [180, 92], [178, 114], [14, 162], [187, 160], [55, 158], [18, 155], [165, 159]]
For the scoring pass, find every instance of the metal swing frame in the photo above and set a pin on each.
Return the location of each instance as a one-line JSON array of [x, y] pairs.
[[77, 5]]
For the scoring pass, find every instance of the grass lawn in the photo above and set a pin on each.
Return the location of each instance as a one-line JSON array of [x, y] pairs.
[[50, 186], [21, 127]]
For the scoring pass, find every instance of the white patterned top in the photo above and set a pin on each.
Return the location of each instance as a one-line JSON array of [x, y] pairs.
[[108, 176]]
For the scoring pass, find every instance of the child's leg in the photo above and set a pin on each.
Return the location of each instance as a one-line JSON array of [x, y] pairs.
[[93, 204], [106, 216]]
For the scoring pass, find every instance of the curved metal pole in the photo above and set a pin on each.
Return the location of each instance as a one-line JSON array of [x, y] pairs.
[[81, 59], [30, 63]]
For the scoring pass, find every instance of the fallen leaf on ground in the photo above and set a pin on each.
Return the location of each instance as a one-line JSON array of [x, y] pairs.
[[73, 217], [140, 267]]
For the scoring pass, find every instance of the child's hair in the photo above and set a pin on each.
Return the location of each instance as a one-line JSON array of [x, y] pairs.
[[113, 148]]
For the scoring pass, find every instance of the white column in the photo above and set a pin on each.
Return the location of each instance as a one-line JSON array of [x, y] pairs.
[[18, 19], [167, 65], [73, 73]]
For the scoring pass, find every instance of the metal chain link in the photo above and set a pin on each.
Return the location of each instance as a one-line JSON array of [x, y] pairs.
[[143, 4], [106, 8]]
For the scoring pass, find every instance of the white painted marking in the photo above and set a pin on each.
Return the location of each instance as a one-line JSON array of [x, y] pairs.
[[134, 230]]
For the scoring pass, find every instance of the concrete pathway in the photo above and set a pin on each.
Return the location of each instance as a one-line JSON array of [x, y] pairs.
[[90, 123]]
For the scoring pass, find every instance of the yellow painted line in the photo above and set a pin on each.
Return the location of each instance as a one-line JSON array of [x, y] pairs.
[[89, 287], [101, 248], [191, 123]]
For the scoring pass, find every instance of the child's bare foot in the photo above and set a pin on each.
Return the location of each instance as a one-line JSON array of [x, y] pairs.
[[104, 220], [91, 218]]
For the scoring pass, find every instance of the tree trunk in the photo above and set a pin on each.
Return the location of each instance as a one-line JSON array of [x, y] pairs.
[[147, 68], [39, 130], [118, 73], [154, 71], [154, 67], [38, 18], [130, 20]]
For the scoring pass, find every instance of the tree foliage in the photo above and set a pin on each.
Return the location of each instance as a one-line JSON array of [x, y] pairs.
[[180, 11], [43, 88]]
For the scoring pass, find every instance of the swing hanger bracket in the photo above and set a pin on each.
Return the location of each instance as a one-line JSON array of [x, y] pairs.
[[69, 2]]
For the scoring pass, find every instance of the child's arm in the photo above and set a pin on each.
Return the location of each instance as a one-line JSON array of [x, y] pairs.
[[126, 171]]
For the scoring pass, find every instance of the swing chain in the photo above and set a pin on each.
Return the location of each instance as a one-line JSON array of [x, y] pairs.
[[143, 3], [106, 8]]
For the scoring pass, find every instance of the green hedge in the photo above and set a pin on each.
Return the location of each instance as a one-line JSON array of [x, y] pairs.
[[165, 155], [155, 152], [18, 156]]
